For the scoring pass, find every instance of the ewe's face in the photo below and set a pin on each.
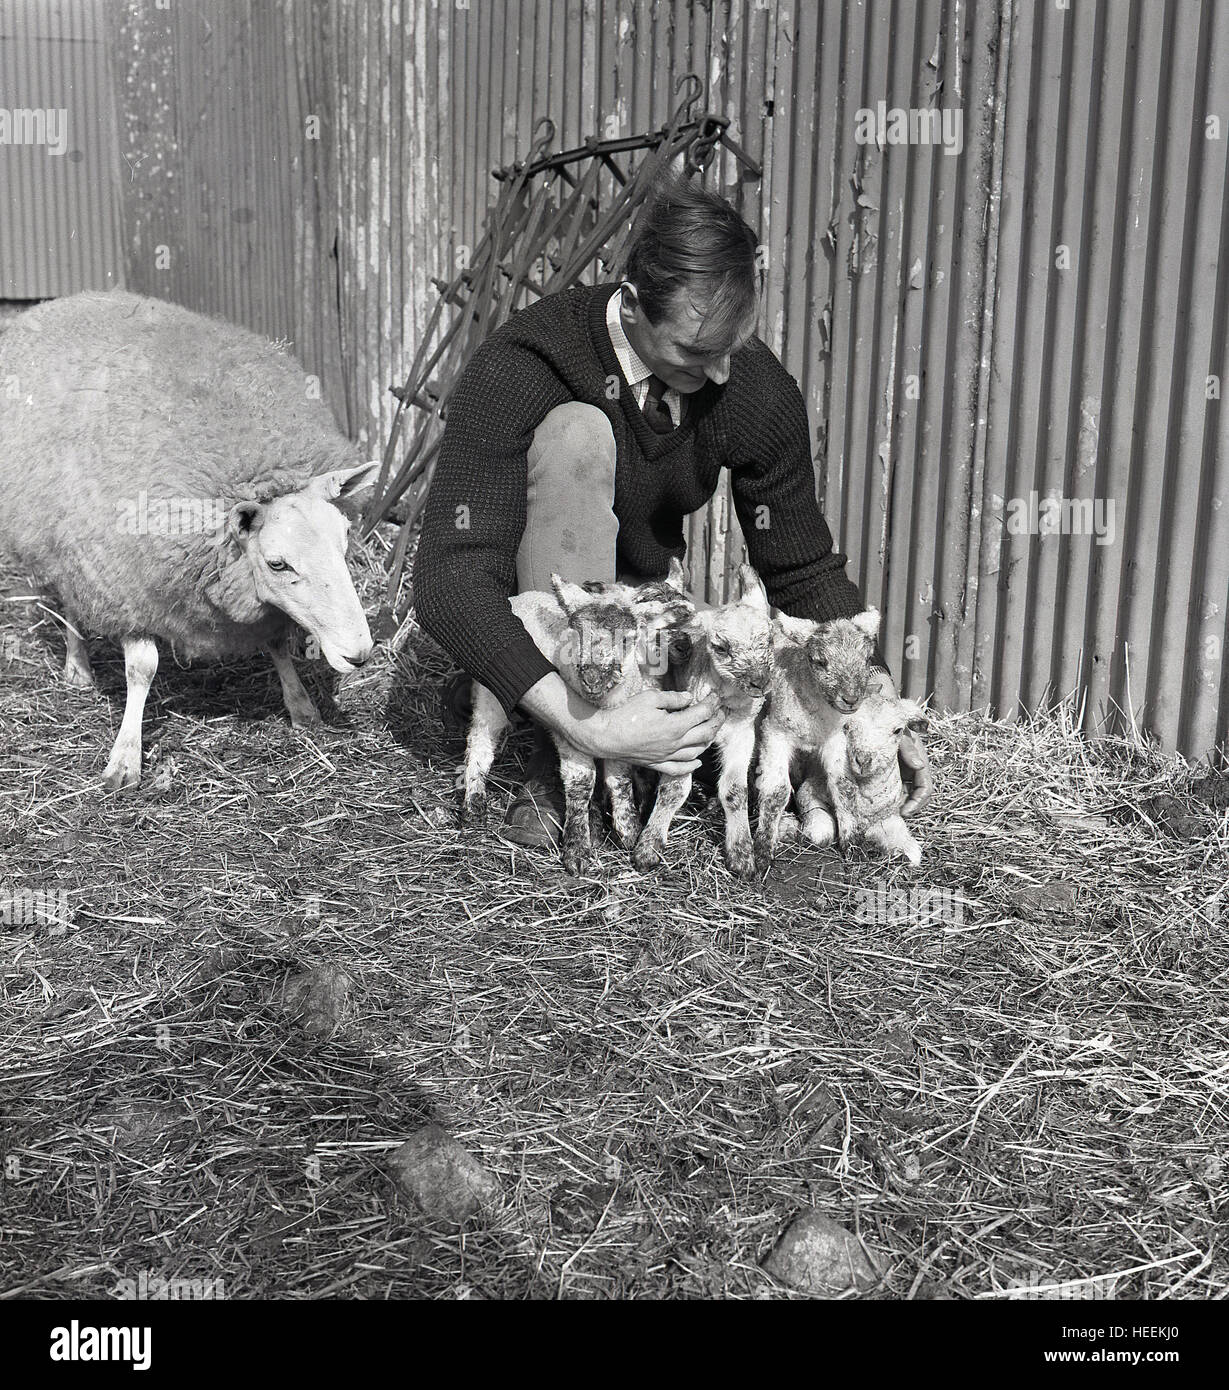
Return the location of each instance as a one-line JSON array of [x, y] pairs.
[[296, 548]]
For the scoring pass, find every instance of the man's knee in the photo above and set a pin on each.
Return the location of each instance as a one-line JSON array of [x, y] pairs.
[[575, 444]]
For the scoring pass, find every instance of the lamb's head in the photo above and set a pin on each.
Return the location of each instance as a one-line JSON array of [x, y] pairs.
[[739, 636], [873, 732], [615, 634], [295, 546], [837, 653]]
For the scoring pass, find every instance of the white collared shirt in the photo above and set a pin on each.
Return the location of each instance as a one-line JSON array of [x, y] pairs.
[[634, 371]]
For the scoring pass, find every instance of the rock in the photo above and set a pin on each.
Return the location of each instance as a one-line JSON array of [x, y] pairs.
[[577, 1208], [447, 1183], [818, 1255], [317, 1000]]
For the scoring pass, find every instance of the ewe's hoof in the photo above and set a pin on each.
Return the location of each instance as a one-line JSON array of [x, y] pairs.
[[79, 678], [580, 863], [122, 773]]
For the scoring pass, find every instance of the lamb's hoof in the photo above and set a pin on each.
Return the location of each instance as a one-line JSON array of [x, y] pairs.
[[579, 861], [122, 772], [819, 828], [628, 835], [763, 857], [789, 828], [474, 812], [647, 855], [740, 860]]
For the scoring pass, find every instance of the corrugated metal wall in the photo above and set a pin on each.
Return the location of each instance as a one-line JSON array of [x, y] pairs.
[[59, 226], [308, 166]]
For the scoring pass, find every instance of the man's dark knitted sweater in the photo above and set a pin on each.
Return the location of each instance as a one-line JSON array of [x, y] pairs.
[[559, 350]]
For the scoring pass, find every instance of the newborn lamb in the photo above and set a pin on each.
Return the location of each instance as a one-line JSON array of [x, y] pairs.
[[608, 646], [863, 770]]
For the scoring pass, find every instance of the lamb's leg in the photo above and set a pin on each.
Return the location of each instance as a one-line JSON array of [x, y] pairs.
[[301, 706], [737, 750], [140, 666], [77, 672], [579, 776], [814, 811], [893, 837], [487, 727], [772, 784], [623, 813], [672, 792]]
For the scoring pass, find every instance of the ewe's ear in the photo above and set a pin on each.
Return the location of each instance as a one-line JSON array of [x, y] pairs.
[[868, 623], [571, 596], [241, 521], [345, 484], [751, 588]]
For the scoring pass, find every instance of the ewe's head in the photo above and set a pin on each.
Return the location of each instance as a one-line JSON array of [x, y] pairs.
[[837, 654], [872, 734], [739, 636], [615, 632], [295, 546]]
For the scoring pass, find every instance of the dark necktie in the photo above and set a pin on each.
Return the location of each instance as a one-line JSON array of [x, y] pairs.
[[656, 411]]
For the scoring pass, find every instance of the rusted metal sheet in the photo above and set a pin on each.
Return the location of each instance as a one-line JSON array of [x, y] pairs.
[[59, 159], [958, 366]]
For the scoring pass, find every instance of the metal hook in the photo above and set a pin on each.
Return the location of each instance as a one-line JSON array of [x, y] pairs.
[[541, 145], [683, 110]]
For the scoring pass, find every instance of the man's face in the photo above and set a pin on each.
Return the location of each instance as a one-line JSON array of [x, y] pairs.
[[678, 348]]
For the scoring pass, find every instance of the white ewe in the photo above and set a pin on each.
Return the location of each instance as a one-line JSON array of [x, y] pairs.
[[170, 476], [861, 763]]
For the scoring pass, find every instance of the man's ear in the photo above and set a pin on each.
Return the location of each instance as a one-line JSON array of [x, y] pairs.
[[571, 596], [345, 484], [241, 520]]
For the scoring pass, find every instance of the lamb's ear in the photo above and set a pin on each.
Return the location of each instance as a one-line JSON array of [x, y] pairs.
[[751, 588], [665, 613], [676, 575], [796, 629], [344, 484], [571, 596], [916, 717], [868, 623], [241, 520]]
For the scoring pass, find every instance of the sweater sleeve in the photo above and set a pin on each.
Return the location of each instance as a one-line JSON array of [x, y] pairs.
[[465, 569], [772, 481]]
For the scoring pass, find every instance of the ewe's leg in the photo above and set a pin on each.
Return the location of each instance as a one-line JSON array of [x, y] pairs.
[[579, 776], [302, 708], [772, 784], [736, 754], [623, 814], [486, 731], [672, 792], [814, 810], [77, 672], [570, 475], [140, 666]]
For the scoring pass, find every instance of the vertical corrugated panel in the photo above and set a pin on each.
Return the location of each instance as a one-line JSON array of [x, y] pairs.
[[950, 368], [59, 213]]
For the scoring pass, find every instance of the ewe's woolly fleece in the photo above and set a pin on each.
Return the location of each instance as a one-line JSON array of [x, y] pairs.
[[103, 395]]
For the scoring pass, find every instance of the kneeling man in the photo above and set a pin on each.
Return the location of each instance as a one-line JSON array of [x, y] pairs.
[[579, 437]]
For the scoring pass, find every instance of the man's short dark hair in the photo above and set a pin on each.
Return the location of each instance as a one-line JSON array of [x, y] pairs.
[[689, 239]]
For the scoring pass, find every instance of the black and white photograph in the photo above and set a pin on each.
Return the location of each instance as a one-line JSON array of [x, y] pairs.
[[613, 678]]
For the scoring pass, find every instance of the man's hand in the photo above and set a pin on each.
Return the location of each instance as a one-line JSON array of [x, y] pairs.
[[914, 764], [661, 729], [915, 768]]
